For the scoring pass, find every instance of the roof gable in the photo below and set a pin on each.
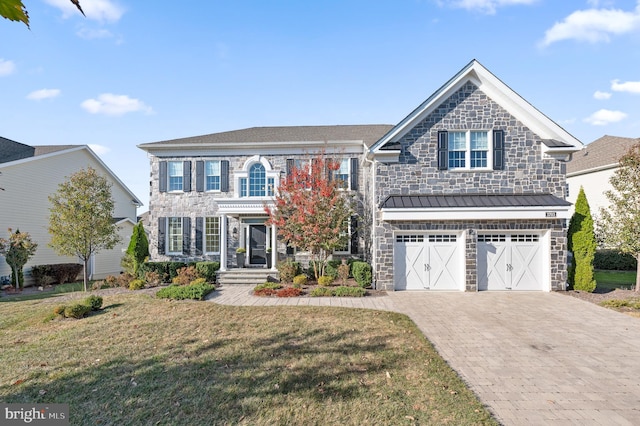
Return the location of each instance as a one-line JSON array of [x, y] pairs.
[[494, 88], [602, 153], [12, 150]]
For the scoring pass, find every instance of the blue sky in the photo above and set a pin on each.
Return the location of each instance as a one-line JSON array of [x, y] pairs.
[[133, 72]]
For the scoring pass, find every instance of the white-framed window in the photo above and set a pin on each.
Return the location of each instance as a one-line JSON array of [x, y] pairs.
[[212, 175], [343, 173], [174, 235], [256, 178], [470, 150], [345, 232], [212, 235], [175, 175]]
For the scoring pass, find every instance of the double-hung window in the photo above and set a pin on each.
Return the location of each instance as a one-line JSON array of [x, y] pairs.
[[469, 150], [175, 175], [212, 235], [174, 234], [212, 176], [342, 174]]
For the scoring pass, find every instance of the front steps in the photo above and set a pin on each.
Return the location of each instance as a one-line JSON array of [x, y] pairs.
[[253, 276]]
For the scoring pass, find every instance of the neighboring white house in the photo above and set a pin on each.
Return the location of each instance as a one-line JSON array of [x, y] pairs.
[[593, 166], [30, 174]]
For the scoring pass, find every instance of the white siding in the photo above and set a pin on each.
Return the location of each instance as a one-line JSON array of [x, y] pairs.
[[108, 262], [25, 205], [594, 184]]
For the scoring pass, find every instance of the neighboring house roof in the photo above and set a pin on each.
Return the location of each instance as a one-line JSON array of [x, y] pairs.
[[472, 200], [368, 133], [12, 150], [603, 153], [555, 138], [44, 151]]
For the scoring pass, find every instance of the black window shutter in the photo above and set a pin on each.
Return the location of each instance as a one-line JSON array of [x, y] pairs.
[[163, 177], [224, 175], [290, 165], [199, 176], [354, 174], [498, 150], [443, 150], [199, 234], [186, 235], [162, 229], [186, 176], [354, 235]]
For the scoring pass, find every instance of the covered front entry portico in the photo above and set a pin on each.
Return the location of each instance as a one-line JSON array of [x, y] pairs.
[[243, 226]]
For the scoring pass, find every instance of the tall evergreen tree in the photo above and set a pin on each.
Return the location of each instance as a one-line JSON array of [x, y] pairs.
[[138, 247], [582, 243]]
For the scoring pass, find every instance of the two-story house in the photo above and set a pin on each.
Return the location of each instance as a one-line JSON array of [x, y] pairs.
[[465, 193]]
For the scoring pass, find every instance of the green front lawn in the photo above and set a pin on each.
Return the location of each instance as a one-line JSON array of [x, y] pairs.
[[615, 279], [143, 360]]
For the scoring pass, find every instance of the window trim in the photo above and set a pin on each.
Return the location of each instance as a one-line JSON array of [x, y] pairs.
[[219, 175], [169, 235], [181, 176], [270, 176], [467, 152], [205, 235]]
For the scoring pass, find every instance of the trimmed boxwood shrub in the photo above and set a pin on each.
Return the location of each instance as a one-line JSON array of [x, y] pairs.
[[325, 281], [322, 292], [207, 270], [361, 272], [299, 280], [613, 260], [94, 302], [288, 269], [136, 284], [167, 270], [344, 291], [182, 292], [77, 310]]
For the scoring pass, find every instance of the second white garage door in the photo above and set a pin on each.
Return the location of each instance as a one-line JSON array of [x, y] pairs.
[[509, 262], [427, 262]]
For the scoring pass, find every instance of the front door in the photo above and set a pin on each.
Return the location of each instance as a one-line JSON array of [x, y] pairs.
[[257, 244]]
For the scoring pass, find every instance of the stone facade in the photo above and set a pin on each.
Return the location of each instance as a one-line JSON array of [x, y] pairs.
[[525, 171]]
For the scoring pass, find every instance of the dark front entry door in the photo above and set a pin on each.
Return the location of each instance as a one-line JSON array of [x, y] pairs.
[[258, 245]]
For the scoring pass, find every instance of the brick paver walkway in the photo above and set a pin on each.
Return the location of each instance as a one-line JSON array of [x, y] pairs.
[[532, 358]]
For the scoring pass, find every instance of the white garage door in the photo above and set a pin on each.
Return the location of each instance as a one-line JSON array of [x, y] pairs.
[[509, 262], [427, 262]]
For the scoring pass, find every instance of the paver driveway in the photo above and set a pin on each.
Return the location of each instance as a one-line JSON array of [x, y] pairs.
[[532, 358]]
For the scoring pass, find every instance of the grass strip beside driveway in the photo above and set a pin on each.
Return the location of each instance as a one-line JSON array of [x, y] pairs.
[[147, 361]]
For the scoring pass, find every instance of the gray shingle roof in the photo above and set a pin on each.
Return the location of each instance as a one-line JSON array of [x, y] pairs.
[[472, 200], [368, 133], [48, 149], [602, 152], [12, 150]]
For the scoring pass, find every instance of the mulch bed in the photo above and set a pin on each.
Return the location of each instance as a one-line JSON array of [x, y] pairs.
[[601, 295]]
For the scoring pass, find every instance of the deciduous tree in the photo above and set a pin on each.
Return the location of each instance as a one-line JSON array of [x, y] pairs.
[[311, 210], [15, 10], [582, 243], [81, 217], [17, 250], [619, 224]]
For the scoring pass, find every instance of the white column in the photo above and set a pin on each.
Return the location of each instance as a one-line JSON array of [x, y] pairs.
[[274, 248], [223, 242]]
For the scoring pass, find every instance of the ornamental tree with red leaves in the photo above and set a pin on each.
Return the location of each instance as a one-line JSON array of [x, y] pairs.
[[311, 210]]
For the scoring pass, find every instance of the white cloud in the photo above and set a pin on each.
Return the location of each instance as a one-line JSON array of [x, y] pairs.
[[110, 104], [484, 6], [99, 149], [627, 86], [38, 95], [601, 95], [6, 67], [593, 25], [604, 116], [89, 34], [97, 10]]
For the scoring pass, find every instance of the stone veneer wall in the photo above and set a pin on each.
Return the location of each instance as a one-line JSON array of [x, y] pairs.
[[525, 171], [203, 204]]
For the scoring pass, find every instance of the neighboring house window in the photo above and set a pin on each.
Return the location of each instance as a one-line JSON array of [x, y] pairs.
[[175, 175], [212, 235], [350, 228], [342, 174], [471, 150], [174, 235], [212, 178]]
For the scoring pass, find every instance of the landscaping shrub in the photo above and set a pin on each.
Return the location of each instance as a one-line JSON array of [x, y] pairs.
[[77, 310], [288, 270], [153, 278], [325, 281], [207, 270], [111, 281], [299, 280], [42, 274], [65, 272], [613, 260], [198, 281], [59, 310], [181, 292], [343, 272], [125, 279], [581, 241], [185, 275], [322, 292], [264, 292], [94, 302], [344, 291], [269, 285], [361, 272], [167, 270], [128, 263], [136, 284], [289, 292], [331, 270]]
